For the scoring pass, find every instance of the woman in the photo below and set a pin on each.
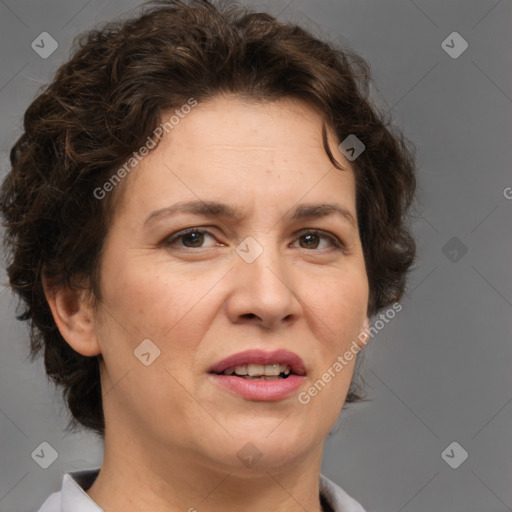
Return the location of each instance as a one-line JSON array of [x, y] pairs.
[[204, 211]]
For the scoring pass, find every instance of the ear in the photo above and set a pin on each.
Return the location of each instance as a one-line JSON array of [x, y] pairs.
[[74, 316]]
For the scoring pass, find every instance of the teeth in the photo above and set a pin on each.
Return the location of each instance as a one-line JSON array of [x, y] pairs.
[[258, 370], [241, 370], [255, 370], [263, 377]]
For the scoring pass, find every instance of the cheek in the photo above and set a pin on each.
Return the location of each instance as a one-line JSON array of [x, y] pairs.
[[340, 303], [145, 302], [340, 319], [352, 307], [340, 311]]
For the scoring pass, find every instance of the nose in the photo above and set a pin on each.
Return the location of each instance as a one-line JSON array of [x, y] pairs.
[[263, 291]]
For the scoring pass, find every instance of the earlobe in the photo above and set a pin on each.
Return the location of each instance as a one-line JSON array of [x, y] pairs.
[[74, 316]]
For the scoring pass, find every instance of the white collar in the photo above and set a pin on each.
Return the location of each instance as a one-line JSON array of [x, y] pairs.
[[73, 498]]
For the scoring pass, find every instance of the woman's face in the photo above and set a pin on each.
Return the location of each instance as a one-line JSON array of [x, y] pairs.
[[259, 282]]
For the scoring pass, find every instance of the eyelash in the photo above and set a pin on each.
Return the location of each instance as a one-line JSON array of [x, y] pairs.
[[171, 240]]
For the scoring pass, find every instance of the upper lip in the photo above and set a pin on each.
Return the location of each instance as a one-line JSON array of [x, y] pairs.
[[256, 356]]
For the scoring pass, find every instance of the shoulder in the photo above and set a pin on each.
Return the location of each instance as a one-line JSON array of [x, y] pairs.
[[337, 498]]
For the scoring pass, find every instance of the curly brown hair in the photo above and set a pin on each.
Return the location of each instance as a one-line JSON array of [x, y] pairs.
[[108, 98]]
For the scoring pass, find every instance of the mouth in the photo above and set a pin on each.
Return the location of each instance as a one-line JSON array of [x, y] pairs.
[[258, 364], [253, 371], [260, 376]]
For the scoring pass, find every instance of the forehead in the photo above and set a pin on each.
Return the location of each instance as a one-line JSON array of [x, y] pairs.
[[228, 148], [236, 124]]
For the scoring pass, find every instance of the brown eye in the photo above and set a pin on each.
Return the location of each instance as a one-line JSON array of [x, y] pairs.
[[312, 239], [196, 239], [192, 238]]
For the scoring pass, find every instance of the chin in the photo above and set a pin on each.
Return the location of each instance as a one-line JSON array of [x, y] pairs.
[[267, 445]]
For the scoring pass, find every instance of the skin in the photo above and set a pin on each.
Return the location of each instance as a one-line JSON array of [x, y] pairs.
[[172, 436]]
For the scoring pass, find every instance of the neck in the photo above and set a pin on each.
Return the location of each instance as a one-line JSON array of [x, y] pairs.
[[134, 475]]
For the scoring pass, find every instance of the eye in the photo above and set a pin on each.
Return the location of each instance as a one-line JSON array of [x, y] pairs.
[[192, 238], [311, 239]]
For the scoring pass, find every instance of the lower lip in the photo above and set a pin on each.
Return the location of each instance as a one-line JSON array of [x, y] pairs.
[[260, 390]]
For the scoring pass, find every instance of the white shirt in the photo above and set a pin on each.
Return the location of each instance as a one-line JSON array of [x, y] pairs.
[[73, 498]]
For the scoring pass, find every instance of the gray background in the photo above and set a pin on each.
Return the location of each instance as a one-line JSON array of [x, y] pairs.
[[437, 373]]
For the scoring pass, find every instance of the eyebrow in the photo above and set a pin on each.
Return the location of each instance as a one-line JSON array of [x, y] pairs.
[[227, 211]]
